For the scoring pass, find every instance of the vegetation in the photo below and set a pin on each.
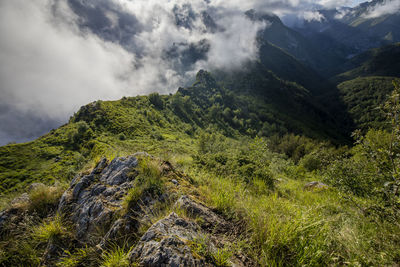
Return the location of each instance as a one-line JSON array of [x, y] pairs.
[[248, 164], [117, 257], [148, 182], [363, 97]]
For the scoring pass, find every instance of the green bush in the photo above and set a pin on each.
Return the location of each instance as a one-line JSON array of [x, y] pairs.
[[156, 100]]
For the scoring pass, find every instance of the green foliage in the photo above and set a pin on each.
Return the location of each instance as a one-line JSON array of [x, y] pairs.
[[80, 257], [53, 230], [115, 257], [373, 169], [156, 100], [247, 162], [363, 98], [44, 199], [148, 182]]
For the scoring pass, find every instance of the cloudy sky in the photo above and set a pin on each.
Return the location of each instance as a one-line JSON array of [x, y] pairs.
[[57, 55]]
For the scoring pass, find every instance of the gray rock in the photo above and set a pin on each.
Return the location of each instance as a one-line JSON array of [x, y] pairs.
[[175, 182], [166, 244], [209, 220], [117, 172], [93, 199], [24, 198], [34, 186], [315, 185]]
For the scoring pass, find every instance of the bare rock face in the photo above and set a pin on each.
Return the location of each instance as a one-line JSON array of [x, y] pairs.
[[92, 200], [166, 244], [209, 220]]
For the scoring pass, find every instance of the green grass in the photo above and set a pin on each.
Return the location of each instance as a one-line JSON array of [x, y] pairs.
[[52, 230], [115, 257], [296, 227], [148, 182], [80, 257]]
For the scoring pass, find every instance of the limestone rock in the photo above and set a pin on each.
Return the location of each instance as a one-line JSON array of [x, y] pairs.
[[92, 200], [166, 244], [209, 220]]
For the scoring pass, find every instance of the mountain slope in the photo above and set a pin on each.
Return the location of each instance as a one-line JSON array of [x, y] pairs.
[[355, 28], [366, 84], [256, 103], [383, 61], [210, 194], [322, 55], [363, 97]]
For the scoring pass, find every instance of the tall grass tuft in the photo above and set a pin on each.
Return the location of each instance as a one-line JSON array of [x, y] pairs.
[[115, 257], [53, 230]]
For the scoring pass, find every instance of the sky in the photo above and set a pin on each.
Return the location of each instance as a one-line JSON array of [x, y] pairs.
[[57, 55]]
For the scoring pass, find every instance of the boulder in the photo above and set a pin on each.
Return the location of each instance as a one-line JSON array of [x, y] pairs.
[[166, 243], [315, 185]]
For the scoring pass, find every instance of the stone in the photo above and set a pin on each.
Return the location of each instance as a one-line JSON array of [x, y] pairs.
[[209, 219], [92, 200], [166, 243], [34, 186], [117, 172], [24, 198], [315, 185]]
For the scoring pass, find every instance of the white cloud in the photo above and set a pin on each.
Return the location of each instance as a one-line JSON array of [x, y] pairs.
[[387, 7], [52, 69], [313, 16]]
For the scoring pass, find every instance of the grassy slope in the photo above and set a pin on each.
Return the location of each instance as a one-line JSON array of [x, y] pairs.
[[232, 171], [131, 124]]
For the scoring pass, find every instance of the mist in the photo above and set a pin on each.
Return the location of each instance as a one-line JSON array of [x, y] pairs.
[[387, 7]]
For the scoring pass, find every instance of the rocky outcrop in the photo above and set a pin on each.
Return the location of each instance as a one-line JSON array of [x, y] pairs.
[[94, 205], [166, 244], [92, 200], [208, 219]]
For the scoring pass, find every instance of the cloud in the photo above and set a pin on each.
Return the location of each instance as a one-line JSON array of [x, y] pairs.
[[313, 16], [387, 7], [57, 55]]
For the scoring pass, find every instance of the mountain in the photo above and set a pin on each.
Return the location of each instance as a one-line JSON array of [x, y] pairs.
[[203, 189], [248, 166], [321, 55], [366, 82], [256, 103], [355, 29], [383, 61]]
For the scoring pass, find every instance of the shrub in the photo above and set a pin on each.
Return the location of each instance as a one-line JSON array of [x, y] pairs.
[[122, 137], [156, 100]]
